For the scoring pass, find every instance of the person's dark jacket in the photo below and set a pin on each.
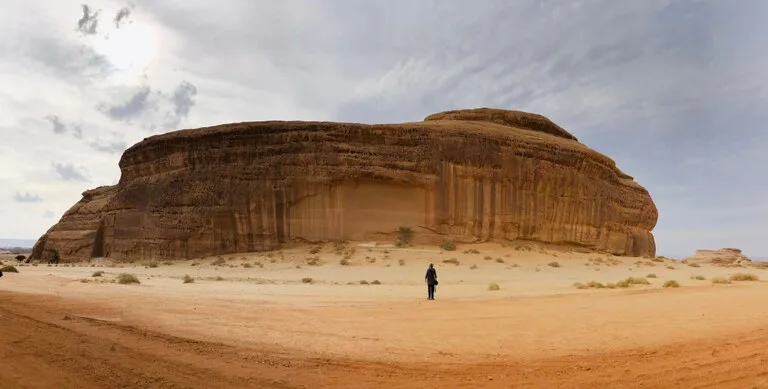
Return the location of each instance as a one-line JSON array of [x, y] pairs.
[[431, 276]]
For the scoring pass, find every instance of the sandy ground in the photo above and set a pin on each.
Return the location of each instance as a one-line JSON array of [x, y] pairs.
[[263, 327]]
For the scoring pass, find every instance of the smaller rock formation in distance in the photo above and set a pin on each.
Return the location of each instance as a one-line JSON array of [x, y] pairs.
[[724, 256]]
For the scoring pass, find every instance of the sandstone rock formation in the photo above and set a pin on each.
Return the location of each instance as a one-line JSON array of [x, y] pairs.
[[471, 175], [725, 256]]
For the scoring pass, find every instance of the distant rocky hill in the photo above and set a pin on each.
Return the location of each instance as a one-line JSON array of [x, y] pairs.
[[466, 176], [724, 256]]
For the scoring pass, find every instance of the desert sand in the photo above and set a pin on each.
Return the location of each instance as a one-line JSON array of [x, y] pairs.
[[257, 321]]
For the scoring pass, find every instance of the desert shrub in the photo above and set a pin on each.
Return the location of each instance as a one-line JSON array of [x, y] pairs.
[[218, 278], [670, 267], [452, 260], [694, 265], [125, 278], [344, 262], [218, 262], [554, 264], [8, 269], [657, 259], [471, 251], [98, 273], [375, 282], [363, 282], [20, 258], [404, 234], [637, 281], [499, 260], [187, 279], [488, 257], [671, 284], [744, 277], [473, 267], [720, 280], [651, 275], [595, 285], [313, 261], [579, 285], [247, 265], [195, 264], [167, 263], [493, 286], [306, 280], [152, 264], [447, 245], [698, 277], [611, 285], [314, 250], [623, 284], [401, 262]]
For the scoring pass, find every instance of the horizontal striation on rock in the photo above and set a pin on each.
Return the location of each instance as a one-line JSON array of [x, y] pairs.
[[256, 186]]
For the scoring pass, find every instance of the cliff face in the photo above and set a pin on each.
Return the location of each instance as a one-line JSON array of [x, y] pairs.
[[467, 176]]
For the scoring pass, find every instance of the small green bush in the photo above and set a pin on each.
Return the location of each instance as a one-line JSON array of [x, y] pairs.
[[125, 279], [448, 245]]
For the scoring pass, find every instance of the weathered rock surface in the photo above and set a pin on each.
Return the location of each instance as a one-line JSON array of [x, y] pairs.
[[468, 176], [725, 256]]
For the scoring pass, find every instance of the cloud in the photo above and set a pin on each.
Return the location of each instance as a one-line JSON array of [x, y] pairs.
[[183, 99], [27, 198], [113, 147], [58, 126], [89, 22], [131, 108], [121, 16], [68, 172]]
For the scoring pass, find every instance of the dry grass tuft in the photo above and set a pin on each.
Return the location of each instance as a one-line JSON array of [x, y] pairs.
[[744, 277], [554, 264], [651, 275], [125, 279], [720, 280], [187, 279], [493, 286], [694, 265], [671, 284], [452, 260], [306, 280], [98, 273]]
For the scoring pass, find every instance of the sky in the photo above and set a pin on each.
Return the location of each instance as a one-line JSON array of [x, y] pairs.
[[674, 91]]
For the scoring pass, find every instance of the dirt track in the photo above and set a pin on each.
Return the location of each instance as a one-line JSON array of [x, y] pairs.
[[45, 346]]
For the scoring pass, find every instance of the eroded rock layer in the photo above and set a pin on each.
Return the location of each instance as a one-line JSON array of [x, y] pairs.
[[255, 186]]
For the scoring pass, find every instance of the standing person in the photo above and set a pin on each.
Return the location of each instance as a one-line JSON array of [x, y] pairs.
[[431, 280]]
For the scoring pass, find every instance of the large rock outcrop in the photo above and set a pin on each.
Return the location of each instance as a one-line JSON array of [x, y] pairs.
[[468, 176]]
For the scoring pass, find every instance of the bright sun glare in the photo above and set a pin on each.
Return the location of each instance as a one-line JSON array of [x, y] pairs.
[[130, 49]]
